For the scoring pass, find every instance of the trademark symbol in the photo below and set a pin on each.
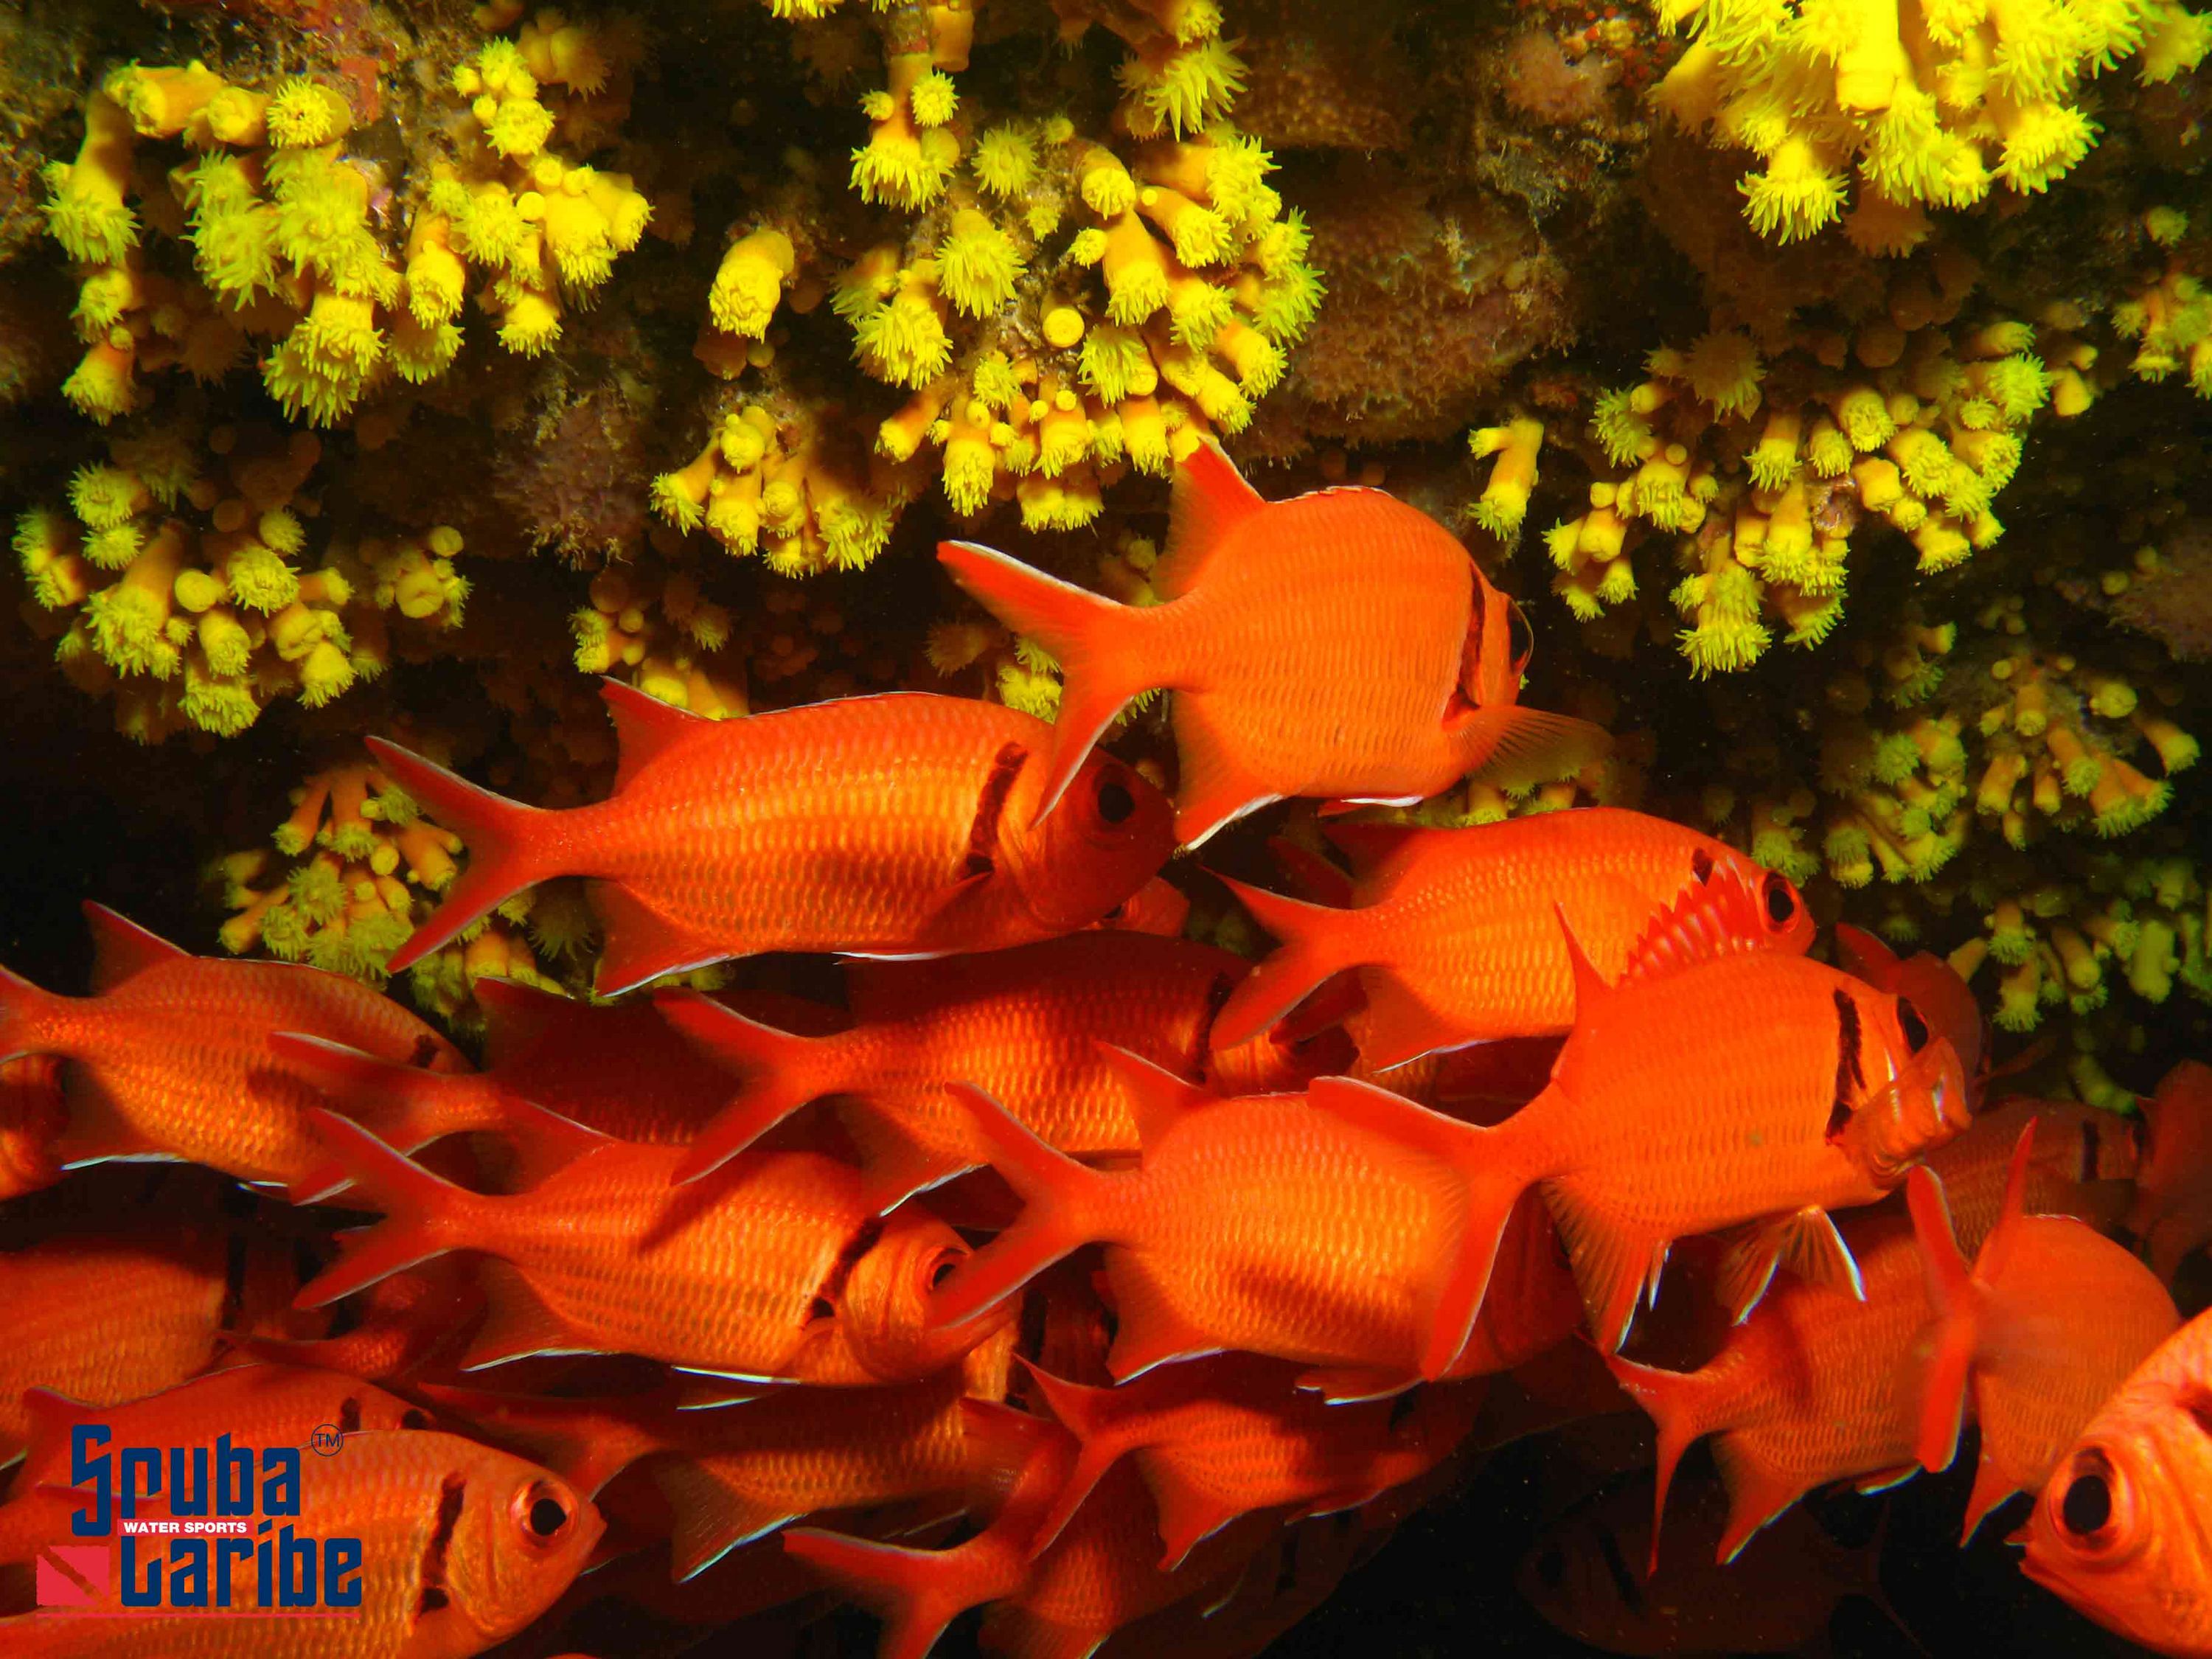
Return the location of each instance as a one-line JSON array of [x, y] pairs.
[[328, 1438]]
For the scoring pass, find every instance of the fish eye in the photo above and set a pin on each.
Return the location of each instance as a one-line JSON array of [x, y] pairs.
[[542, 1512], [1551, 1566], [1914, 1027], [1115, 802], [1781, 903], [1521, 639], [947, 1264], [2087, 1505]]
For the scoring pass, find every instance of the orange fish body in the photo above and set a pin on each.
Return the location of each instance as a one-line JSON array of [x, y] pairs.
[[400, 1326], [897, 825], [2172, 1213], [105, 1320], [1710, 1087], [747, 1275], [1946, 1001], [1532, 1304], [169, 1056], [1316, 647], [440, 1578], [735, 1472], [32, 1120], [1256, 1224], [1815, 1386], [1218, 1437], [2052, 1317], [1024, 1024], [2083, 1166], [2123, 1530], [1454, 933]]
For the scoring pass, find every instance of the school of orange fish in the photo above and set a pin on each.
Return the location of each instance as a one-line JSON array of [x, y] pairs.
[[1072, 1270]]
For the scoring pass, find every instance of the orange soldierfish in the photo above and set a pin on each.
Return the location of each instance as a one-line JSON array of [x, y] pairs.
[[169, 1056], [732, 1473], [2051, 1318], [2172, 1212], [2082, 1165], [401, 1325], [1454, 933], [2121, 1529], [461, 1546], [1327, 645], [1815, 1386], [774, 1270], [1945, 1001], [892, 825], [1256, 1224], [1023, 1024], [1158, 907], [1221, 1437], [1711, 1086]]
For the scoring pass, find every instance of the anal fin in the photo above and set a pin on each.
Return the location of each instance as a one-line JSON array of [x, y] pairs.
[[1615, 1266], [517, 1323], [643, 946], [1397, 1026], [1343, 1385], [714, 1514], [1188, 1512], [1149, 1331], [1213, 785], [1757, 1494], [1804, 1241], [897, 1158]]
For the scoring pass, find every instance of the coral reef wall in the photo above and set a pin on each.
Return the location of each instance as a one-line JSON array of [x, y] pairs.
[[401, 368]]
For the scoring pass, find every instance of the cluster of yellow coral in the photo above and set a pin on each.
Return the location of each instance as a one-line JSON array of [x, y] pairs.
[[659, 627], [1932, 103], [178, 573], [290, 233], [2168, 315], [1043, 362], [1762, 470]]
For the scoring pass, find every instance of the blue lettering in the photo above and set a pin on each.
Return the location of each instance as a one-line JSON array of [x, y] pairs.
[[133, 1595], [234, 1477], [135, 1458], [227, 1550], [188, 1573], [342, 1572], [188, 1497], [85, 1438], [280, 1485], [296, 1563], [264, 1574]]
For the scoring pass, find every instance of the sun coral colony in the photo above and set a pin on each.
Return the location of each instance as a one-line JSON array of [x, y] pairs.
[[206, 1516]]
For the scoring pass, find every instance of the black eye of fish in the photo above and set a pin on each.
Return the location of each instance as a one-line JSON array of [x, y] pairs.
[[1781, 903], [943, 1271], [1115, 803], [1914, 1027], [2086, 1506], [547, 1516]]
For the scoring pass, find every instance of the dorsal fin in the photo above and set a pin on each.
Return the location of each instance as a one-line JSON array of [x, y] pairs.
[[1990, 1265], [1590, 987], [1863, 955], [1368, 845], [646, 728], [1158, 1097], [1717, 917], [121, 948], [1208, 499]]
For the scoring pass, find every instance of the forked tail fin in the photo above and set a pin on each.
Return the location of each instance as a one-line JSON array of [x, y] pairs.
[[1672, 1401], [506, 841], [916, 1593], [1097, 643], [773, 1074], [423, 1215], [1312, 941]]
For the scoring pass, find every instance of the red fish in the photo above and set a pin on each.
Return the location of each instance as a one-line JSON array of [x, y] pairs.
[[732, 1473], [2119, 1530], [1327, 646], [1158, 907], [1221, 1437], [2050, 1321], [2172, 1213], [2082, 1165], [31, 1123], [1945, 1001], [1710, 1087], [401, 1325], [1260, 1224], [1815, 1386], [893, 825], [1454, 933], [461, 1546], [775, 1270], [169, 1056], [1024, 1024]]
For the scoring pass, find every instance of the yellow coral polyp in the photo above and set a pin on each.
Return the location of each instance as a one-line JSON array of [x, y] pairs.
[[749, 282]]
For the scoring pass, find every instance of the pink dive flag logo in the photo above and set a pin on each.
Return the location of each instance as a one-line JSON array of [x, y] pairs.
[[76, 1574]]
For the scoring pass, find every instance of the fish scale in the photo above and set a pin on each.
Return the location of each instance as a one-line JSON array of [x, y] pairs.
[[385, 1489]]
